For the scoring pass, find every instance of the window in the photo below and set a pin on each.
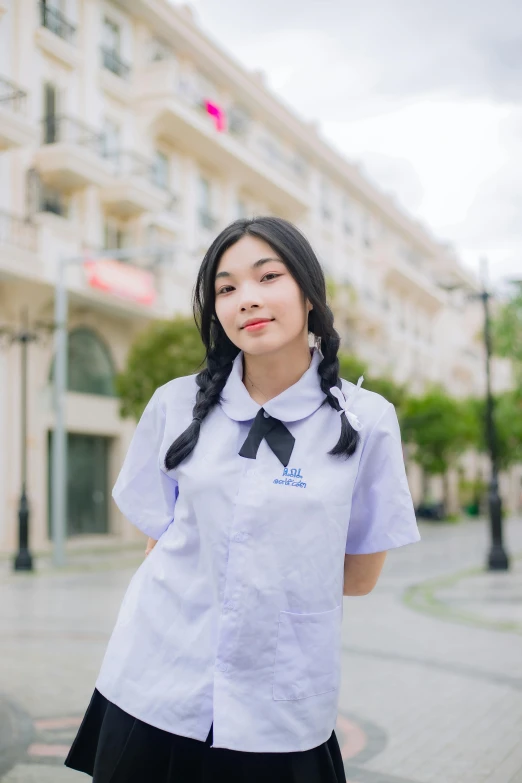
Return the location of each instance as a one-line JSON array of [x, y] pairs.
[[111, 35], [111, 138], [159, 51], [367, 232], [114, 236], [44, 198], [241, 208], [53, 201], [238, 121], [272, 151], [204, 194], [206, 218], [299, 166], [206, 89], [50, 110], [90, 365], [111, 49], [326, 207], [161, 170], [52, 16], [347, 216]]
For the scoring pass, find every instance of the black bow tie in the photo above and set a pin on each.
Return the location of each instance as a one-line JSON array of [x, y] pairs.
[[278, 437]]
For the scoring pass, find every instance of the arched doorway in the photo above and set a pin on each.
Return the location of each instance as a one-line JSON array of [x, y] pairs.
[[90, 370]]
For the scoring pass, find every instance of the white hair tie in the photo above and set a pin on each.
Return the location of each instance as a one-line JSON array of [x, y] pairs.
[[352, 418]]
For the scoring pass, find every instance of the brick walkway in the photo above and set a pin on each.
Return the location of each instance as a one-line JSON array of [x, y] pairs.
[[432, 677]]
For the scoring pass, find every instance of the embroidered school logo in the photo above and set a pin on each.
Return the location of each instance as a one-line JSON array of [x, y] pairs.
[[291, 478]]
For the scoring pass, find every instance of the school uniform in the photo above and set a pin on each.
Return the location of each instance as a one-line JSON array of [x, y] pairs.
[[229, 634]]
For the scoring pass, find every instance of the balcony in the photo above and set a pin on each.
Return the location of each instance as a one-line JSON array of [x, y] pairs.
[[15, 128], [413, 283], [71, 155], [180, 119], [370, 319], [134, 187], [56, 35], [18, 244], [115, 76]]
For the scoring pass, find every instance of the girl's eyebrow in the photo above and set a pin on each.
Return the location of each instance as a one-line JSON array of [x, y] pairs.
[[255, 265]]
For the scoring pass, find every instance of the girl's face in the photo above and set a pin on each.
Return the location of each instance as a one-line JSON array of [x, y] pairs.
[[258, 303]]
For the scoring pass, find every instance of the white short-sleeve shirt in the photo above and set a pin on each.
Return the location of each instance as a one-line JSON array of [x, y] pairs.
[[235, 616]]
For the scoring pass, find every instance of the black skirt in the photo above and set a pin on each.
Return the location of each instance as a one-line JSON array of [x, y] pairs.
[[114, 747]]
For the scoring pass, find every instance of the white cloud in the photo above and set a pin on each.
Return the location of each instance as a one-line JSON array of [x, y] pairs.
[[427, 95]]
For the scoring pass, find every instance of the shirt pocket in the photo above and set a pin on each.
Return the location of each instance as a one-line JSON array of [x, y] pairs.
[[308, 654]]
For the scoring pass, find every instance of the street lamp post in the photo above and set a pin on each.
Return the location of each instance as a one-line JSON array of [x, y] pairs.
[[497, 557], [23, 560]]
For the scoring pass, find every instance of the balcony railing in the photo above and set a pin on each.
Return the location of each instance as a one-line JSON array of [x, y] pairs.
[[68, 130], [113, 62], [131, 164], [12, 97], [56, 22], [18, 232]]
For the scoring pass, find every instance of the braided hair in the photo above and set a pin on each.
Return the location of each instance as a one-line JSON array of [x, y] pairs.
[[294, 249]]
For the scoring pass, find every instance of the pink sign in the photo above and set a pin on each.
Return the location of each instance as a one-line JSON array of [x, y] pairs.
[[123, 280]]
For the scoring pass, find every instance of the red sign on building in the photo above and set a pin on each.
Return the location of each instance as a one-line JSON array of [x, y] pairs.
[[122, 280]]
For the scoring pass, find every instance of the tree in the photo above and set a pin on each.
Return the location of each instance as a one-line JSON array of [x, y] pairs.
[[164, 350], [508, 421], [508, 333], [441, 428], [351, 367]]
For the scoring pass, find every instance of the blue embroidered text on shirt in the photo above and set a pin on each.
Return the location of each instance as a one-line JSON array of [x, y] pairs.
[[291, 477]]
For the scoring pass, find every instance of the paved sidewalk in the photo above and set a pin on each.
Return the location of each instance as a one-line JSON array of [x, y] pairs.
[[432, 675]]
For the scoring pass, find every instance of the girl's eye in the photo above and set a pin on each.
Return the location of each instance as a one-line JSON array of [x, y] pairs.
[[224, 290], [273, 275]]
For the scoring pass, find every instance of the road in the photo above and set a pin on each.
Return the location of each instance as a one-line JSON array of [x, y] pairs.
[[432, 662]]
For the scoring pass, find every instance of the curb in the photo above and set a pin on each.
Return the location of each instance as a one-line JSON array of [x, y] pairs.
[[422, 598], [16, 734]]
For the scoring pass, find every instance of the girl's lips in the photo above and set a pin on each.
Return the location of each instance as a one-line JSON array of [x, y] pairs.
[[258, 325]]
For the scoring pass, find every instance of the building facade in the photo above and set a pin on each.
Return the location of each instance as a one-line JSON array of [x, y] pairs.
[[123, 125]]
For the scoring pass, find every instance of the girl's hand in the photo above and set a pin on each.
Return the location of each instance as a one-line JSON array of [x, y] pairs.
[[151, 543]]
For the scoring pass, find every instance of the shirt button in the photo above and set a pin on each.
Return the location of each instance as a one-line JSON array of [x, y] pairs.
[[266, 415], [238, 537], [229, 605], [222, 667]]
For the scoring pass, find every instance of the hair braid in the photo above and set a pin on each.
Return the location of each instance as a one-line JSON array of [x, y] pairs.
[[211, 382], [328, 371]]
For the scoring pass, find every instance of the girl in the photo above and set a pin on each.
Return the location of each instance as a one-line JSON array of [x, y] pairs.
[[272, 488]]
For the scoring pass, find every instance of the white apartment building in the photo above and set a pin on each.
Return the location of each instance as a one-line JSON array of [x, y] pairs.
[[122, 124]]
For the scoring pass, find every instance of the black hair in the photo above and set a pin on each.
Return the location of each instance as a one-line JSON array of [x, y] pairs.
[[295, 251]]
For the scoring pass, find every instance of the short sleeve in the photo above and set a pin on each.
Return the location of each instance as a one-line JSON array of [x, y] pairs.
[[144, 492], [382, 515]]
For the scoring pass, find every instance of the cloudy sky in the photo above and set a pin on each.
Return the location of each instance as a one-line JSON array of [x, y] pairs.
[[425, 94]]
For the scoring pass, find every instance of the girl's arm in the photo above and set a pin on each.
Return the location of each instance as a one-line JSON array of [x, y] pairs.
[[151, 543], [361, 572]]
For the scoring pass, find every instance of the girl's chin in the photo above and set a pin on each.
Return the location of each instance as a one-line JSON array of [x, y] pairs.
[[264, 345]]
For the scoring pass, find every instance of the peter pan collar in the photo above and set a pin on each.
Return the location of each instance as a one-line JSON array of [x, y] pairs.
[[295, 403]]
